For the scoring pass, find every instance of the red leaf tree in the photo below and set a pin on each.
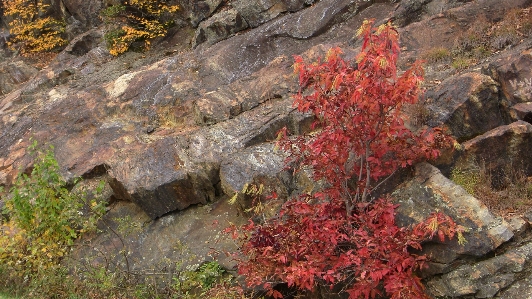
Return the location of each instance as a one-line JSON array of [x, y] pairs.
[[341, 235]]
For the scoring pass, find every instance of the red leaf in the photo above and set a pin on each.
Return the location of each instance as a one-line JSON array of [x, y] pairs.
[[337, 234]]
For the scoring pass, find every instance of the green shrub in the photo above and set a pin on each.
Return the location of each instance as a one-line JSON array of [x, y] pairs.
[[191, 284], [112, 11], [112, 37], [44, 219]]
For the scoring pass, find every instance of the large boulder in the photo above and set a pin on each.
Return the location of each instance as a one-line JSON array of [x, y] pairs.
[[486, 278], [514, 73], [200, 10], [429, 191], [258, 165], [159, 180], [467, 104], [130, 241], [503, 149]]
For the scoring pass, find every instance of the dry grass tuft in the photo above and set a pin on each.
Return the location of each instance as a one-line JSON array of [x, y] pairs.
[[506, 193]]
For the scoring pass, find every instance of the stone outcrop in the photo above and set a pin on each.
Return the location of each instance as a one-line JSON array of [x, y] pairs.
[[183, 240], [295, 27], [201, 9], [486, 278], [515, 76], [428, 192], [503, 149], [520, 289], [179, 129], [468, 108], [86, 12], [253, 165], [258, 13], [219, 27], [13, 74]]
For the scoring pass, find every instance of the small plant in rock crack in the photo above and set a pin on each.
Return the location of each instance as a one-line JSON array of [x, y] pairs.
[[437, 55], [505, 191], [341, 235], [196, 283]]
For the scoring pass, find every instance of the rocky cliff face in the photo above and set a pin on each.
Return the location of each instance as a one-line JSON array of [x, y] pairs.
[[178, 129]]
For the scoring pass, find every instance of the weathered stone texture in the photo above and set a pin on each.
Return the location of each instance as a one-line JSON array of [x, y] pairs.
[[500, 150], [468, 104], [429, 191], [486, 278], [178, 129], [219, 27], [514, 72]]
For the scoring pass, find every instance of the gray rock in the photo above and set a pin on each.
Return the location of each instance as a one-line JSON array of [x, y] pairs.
[[84, 43], [202, 9], [14, 74], [85, 11], [249, 128], [518, 225], [522, 111], [273, 83], [500, 150], [259, 12], [483, 279], [219, 27], [409, 11], [176, 242], [260, 164], [287, 35], [256, 175], [468, 104], [522, 289], [514, 73], [218, 106], [429, 191], [177, 128], [159, 179]]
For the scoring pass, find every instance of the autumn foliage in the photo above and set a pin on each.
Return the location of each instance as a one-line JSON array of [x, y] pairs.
[[39, 222], [136, 21], [32, 30], [342, 235]]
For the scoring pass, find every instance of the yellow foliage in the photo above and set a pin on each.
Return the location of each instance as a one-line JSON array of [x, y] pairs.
[[32, 32], [146, 24], [24, 255], [156, 8]]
